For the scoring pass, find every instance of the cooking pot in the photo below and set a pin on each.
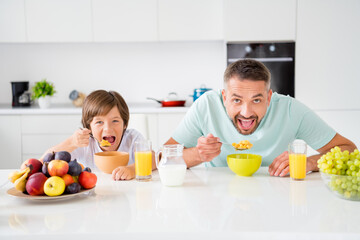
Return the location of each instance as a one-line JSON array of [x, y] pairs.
[[200, 91], [171, 101]]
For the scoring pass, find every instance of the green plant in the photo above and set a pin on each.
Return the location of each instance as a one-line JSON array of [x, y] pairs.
[[42, 89]]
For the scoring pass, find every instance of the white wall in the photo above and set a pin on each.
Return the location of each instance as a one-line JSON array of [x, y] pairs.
[[135, 70]]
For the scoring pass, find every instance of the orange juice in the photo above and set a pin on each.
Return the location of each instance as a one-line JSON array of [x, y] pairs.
[[143, 163], [297, 164]]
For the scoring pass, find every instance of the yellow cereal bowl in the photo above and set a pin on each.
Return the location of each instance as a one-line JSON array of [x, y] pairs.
[[245, 164], [108, 161]]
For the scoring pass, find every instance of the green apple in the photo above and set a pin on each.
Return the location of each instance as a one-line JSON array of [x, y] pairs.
[[54, 186]]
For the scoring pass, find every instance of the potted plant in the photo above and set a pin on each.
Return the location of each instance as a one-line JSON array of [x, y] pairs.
[[42, 91]]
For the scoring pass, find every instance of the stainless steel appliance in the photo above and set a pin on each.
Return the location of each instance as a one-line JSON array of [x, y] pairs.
[[278, 57], [20, 95]]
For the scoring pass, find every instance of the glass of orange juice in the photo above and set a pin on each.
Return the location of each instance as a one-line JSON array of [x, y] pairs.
[[143, 160], [297, 159]]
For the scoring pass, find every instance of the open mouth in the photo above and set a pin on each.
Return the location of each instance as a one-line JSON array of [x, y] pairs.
[[110, 139], [246, 124]]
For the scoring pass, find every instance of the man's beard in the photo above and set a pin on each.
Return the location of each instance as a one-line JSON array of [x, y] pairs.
[[252, 129]]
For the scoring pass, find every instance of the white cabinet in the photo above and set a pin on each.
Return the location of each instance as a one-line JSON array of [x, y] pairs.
[[259, 20], [10, 142], [167, 124], [190, 20], [12, 21], [125, 20], [58, 20], [327, 54]]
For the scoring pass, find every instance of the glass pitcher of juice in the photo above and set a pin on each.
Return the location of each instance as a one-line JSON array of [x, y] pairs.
[[171, 166]]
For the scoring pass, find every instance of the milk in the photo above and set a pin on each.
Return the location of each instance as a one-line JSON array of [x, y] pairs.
[[172, 175]]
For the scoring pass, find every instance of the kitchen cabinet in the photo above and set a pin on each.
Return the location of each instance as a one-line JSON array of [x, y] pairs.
[[259, 20], [58, 20], [190, 20], [125, 20], [10, 142], [12, 21], [327, 54]]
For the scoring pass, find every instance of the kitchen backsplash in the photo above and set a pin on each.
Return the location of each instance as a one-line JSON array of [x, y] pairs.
[[136, 70]]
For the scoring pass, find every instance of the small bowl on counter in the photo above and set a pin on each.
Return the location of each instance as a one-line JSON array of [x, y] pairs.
[[108, 161], [244, 164], [342, 186]]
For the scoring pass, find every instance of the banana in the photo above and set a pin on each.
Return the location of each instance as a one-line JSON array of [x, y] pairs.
[[20, 183], [13, 176]]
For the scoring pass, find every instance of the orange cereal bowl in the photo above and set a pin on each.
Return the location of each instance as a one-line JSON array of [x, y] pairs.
[[108, 161]]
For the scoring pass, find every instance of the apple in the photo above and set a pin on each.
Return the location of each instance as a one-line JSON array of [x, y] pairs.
[[35, 184], [87, 180], [58, 168], [68, 179], [37, 165], [54, 186]]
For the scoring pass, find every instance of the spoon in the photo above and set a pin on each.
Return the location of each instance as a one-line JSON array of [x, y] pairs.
[[237, 149], [103, 143]]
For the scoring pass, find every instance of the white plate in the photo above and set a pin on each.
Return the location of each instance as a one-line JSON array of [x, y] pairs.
[[18, 194]]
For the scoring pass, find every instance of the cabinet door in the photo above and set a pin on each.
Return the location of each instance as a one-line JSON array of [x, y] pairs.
[[259, 20], [125, 20], [58, 20], [327, 54], [190, 20], [12, 21], [10, 142], [167, 124]]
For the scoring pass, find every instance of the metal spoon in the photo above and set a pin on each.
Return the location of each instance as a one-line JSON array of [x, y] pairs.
[[237, 149], [99, 143]]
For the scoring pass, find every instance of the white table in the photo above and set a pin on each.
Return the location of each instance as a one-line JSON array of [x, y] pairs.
[[213, 203]]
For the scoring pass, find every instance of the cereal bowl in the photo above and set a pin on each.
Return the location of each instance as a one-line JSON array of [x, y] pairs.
[[244, 164], [108, 161], [343, 186]]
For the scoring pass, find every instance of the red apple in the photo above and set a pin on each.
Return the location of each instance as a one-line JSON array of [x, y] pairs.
[[35, 184], [37, 165], [58, 168], [87, 179], [68, 179]]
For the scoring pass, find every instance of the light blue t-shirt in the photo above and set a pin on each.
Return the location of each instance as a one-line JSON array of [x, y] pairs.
[[286, 119]]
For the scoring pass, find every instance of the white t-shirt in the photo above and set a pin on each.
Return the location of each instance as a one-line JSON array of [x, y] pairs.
[[85, 155]]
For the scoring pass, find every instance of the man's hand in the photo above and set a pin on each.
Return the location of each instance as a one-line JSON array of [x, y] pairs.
[[280, 165], [208, 147]]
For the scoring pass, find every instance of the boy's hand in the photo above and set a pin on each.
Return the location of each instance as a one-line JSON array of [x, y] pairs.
[[123, 173], [80, 138]]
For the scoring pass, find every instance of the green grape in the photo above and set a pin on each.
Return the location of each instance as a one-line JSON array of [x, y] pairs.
[[352, 167], [356, 151], [357, 162]]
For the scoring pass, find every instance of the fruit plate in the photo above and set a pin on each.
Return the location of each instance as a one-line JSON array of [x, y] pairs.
[[16, 193]]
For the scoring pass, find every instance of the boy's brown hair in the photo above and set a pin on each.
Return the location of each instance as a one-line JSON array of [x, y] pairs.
[[99, 103], [248, 69]]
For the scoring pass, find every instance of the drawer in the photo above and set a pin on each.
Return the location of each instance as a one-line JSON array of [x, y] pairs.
[[49, 124]]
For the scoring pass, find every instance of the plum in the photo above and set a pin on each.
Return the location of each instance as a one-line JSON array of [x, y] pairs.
[[73, 188], [49, 157], [63, 155], [87, 169], [45, 169], [74, 168]]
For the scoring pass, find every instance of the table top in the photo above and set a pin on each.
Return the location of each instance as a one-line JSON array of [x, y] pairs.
[[212, 203]]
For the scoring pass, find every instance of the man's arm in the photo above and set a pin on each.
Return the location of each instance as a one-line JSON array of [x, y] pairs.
[[207, 149]]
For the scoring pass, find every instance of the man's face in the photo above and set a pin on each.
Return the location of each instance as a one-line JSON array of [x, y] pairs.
[[246, 103]]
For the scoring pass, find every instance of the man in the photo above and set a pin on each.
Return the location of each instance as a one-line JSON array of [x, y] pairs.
[[247, 109]]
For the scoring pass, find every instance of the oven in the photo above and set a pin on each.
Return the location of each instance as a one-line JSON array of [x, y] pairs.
[[279, 58]]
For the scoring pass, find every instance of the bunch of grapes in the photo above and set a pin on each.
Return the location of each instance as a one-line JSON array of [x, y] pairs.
[[344, 168]]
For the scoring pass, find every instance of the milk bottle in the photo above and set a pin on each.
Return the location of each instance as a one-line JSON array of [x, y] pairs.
[[171, 167]]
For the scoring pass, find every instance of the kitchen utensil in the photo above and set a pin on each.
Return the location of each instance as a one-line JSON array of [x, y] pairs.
[[108, 161], [171, 100], [200, 91], [244, 164], [172, 167], [20, 95], [100, 144], [238, 149]]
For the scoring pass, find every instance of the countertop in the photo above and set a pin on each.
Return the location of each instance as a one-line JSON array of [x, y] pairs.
[[213, 203], [68, 108]]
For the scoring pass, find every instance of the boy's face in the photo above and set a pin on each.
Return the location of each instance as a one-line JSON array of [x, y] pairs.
[[246, 103], [109, 127]]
